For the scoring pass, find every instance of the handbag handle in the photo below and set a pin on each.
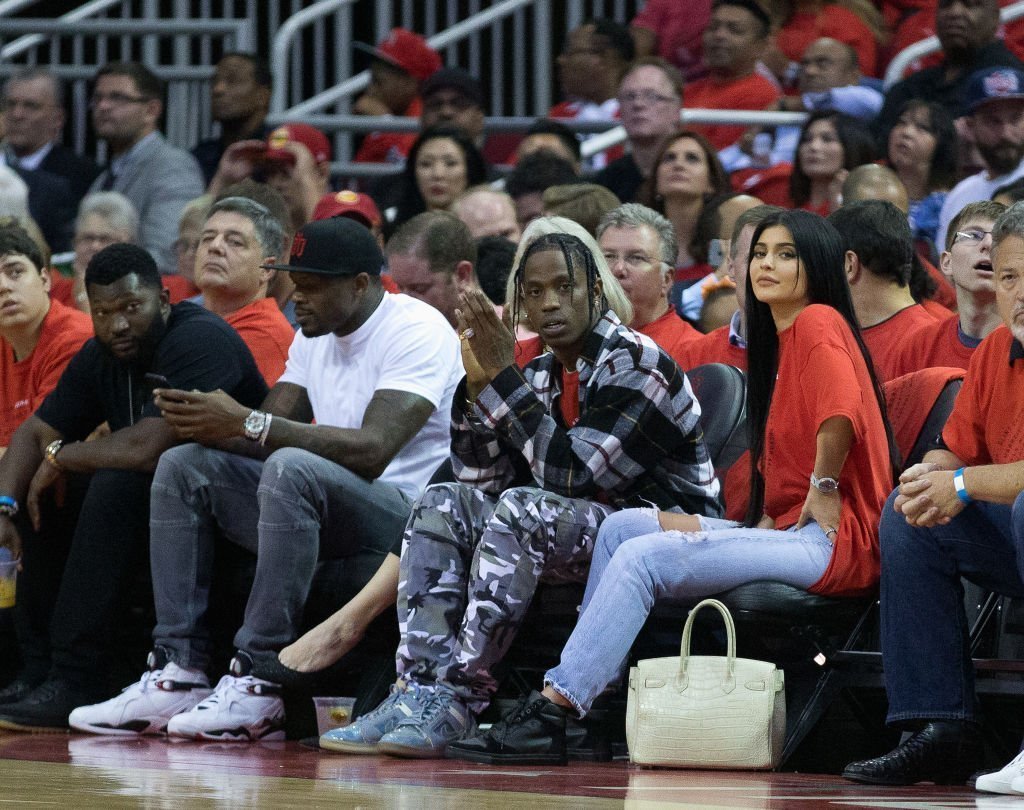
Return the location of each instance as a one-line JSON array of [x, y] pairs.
[[730, 631]]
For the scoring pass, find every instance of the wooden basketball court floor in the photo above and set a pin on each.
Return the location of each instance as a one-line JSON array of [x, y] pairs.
[[78, 771]]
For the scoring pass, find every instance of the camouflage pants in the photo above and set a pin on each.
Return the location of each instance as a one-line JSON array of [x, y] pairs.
[[470, 566]]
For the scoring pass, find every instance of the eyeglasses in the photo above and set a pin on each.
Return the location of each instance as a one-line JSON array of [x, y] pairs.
[[646, 96], [116, 99], [971, 237], [634, 261]]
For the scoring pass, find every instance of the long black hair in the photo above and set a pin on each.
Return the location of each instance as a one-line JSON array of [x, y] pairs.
[[411, 202], [819, 250], [942, 167]]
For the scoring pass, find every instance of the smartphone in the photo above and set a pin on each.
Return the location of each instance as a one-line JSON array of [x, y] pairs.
[[153, 381]]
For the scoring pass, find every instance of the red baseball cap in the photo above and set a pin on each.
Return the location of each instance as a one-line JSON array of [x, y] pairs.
[[351, 204], [406, 51], [310, 137]]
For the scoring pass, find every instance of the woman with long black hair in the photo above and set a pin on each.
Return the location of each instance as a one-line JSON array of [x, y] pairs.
[[822, 466]]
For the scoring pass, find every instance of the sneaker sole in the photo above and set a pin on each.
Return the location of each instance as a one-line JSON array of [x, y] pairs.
[[113, 731], [229, 736], [11, 725], [408, 751], [867, 780], [342, 747], [504, 759]]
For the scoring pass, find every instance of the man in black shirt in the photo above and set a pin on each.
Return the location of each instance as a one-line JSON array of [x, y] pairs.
[[967, 32], [141, 341]]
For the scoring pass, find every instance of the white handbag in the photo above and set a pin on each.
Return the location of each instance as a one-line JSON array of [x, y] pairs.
[[706, 711]]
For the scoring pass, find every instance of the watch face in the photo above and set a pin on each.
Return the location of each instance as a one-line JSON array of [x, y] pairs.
[[825, 485]]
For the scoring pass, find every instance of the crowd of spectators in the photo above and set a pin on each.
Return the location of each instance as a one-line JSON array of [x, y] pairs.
[[471, 372]]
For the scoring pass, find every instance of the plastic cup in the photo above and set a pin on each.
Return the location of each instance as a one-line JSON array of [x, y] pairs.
[[8, 580], [332, 712]]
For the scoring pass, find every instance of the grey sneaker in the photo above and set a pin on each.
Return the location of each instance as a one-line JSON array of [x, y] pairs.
[[362, 735], [444, 719]]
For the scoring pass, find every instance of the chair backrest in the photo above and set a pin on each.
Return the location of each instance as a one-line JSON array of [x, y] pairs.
[[919, 404], [721, 391]]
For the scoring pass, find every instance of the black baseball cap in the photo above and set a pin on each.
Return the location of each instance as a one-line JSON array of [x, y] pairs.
[[455, 79], [334, 247]]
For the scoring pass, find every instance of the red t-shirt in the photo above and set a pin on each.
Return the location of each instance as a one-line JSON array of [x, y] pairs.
[[679, 28], [933, 345], [180, 288], [770, 186], [672, 334], [714, 347], [267, 333], [985, 426], [752, 92], [25, 384], [822, 374], [883, 340], [945, 295], [569, 401], [835, 22], [389, 147]]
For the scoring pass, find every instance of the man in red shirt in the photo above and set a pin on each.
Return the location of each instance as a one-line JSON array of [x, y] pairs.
[[733, 42], [960, 513], [38, 336], [239, 237], [640, 247], [879, 251], [967, 263], [400, 64], [590, 66]]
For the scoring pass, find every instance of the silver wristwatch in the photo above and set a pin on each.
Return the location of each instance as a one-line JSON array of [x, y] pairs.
[[254, 425], [826, 486]]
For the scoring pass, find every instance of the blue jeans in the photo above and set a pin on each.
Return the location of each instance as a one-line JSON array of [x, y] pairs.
[[292, 510], [635, 563], [925, 645]]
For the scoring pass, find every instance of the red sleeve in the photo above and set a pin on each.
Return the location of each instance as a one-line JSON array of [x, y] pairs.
[[964, 433]]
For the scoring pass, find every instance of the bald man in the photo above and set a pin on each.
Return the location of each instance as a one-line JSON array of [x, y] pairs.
[[874, 182], [488, 212]]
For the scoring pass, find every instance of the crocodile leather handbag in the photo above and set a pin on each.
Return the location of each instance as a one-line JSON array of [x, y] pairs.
[[704, 711]]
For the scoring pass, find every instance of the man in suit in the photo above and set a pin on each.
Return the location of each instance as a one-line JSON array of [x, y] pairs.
[[158, 178], [32, 110]]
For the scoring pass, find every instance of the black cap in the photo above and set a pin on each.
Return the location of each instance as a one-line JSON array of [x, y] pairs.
[[456, 79], [992, 84], [334, 247]]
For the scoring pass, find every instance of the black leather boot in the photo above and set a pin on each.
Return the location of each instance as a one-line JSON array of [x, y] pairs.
[[945, 752]]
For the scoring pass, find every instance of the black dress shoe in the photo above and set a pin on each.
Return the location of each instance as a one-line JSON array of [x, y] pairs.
[[45, 709], [943, 752], [533, 733]]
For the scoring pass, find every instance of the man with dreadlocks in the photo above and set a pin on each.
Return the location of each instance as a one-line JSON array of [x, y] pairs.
[[542, 455]]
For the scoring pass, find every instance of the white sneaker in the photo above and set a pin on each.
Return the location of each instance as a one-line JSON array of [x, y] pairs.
[[240, 708], [144, 707], [1001, 781]]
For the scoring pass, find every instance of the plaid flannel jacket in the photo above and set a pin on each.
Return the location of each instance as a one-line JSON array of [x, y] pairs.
[[638, 440]]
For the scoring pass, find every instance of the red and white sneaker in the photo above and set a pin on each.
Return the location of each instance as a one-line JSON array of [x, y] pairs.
[[146, 706], [240, 708]]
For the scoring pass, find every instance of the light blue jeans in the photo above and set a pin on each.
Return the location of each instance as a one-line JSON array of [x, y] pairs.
[[636, 563]]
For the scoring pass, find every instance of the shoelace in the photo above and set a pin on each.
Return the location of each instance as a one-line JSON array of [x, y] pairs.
[[45, 692], [435, 703]]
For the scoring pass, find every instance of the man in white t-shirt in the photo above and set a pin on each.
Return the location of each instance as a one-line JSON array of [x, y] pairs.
[[993, 106], [328, 467]]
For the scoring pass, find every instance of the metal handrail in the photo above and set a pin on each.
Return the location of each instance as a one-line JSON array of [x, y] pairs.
[[355, 84], [931, 44], [22, 44]]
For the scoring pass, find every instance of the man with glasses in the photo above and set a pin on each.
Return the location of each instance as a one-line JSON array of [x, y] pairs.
[[650, 100], [33, 119], [967, 263], [159, 179], [640, 247], [993, 104]]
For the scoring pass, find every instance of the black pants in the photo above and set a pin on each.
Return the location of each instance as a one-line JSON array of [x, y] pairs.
[[69, 592]]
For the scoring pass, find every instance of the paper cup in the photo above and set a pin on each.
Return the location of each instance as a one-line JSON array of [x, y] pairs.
[[8, 580], [333, 712]]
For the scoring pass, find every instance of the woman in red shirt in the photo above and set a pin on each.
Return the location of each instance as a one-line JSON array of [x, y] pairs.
[[823, 465]]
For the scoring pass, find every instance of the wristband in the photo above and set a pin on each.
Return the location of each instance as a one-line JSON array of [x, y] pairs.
[[958, 484], [266, 430], [8, 506], [50, 453]]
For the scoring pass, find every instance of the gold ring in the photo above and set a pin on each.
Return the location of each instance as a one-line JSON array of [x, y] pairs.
[[467, 334]]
